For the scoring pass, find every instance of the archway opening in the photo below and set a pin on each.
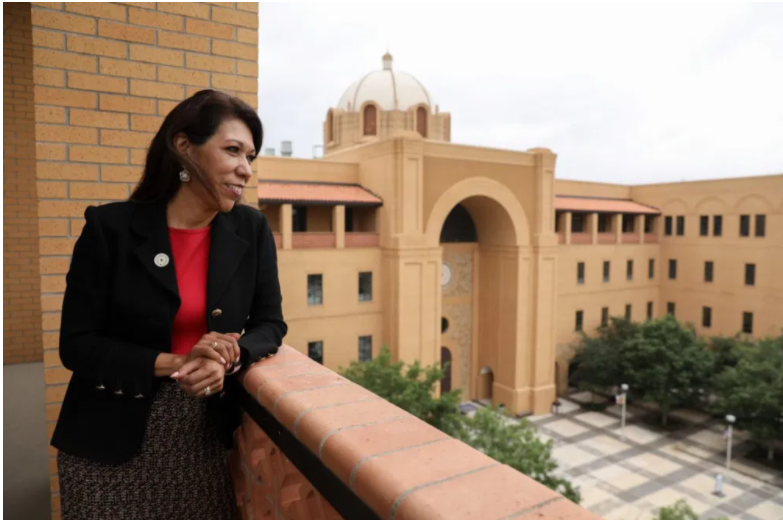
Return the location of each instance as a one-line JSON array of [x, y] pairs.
[[421, 121], [445, 364], [486, 379], [370, 120]]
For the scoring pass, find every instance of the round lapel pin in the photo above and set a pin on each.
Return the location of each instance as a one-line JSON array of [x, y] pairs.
[[161, 259]]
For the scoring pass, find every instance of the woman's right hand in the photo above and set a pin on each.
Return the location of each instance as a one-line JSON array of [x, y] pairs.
[[222, 348]]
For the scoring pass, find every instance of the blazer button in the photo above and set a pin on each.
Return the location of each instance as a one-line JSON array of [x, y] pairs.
[[217, 313]]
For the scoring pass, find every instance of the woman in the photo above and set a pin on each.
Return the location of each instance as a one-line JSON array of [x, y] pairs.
[[168, 294]]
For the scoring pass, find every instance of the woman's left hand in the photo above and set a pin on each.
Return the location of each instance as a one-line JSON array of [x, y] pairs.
[[200, 374]]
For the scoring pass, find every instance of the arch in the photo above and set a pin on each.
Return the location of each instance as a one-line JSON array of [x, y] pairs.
[[329, 126], [674, 206], [477, 188], [753, 203], [370, 119], [459, 227], [712, 201], [421, 120]]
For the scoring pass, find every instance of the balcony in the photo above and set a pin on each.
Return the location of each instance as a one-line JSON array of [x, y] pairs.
[[315, 446], [607, 238], [631, 238], [355, 239], [581, 238], [313, 240], [650, 238], [278, 240]]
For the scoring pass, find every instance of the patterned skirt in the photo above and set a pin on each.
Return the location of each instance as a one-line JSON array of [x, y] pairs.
[[181, 472]]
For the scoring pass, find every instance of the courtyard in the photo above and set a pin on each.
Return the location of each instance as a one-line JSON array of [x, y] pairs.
[[630, 478]]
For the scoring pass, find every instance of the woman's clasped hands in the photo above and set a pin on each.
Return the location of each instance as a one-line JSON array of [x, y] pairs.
[[205, 367]]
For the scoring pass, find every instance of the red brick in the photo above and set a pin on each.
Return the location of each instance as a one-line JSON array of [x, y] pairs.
[[64, 97], [99, 46], [154, 19], [117, 31], [97, 82], [62, 21], [97, 10], [210, 29]]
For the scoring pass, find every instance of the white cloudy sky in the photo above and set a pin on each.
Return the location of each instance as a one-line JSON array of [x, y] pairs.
[[622, 93]]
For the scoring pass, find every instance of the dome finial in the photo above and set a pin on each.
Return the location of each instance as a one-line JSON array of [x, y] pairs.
[[387, 60]]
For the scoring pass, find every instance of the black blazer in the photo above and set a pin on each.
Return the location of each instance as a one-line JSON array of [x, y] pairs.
[[118, 312]]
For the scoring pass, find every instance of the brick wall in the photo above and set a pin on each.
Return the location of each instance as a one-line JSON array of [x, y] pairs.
[[105, 75], [21, 279]]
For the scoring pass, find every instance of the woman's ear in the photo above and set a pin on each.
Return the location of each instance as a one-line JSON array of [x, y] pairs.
[[182, 144]]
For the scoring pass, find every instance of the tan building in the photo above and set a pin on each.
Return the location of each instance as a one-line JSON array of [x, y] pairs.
[[482, 258]]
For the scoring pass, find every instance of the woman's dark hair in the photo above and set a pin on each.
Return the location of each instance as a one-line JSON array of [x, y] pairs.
[[198, 117]]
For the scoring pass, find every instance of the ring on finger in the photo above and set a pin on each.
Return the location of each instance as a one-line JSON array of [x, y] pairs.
[[214, 344], [207, 391]]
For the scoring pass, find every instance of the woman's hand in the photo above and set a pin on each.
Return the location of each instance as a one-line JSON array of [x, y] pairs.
[[195, 376], [222, 348]]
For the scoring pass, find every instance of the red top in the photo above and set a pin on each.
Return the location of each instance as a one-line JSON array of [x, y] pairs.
[[190, 248]]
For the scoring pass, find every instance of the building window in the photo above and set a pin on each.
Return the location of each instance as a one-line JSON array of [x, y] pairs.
[[668, 226], [672, 269], [680, 226], [651, 268], [579, 319], [315, 295], [706, 317], [370, 120], [649, 310], [628, 223], [365, 287], [604, 316], [747, 322], [744, 225], [629, 270], [299, 214], [708, 266], [649, 223], [578, 222], [606, 270], [421, 121], [604, 223], [365, 349], [329, 127], [628, 311], [704, 226], [761, 225], [558, 216], [750, 274], [717, 225], [349, 220], [315, 351], [580, 273], [670, 308]]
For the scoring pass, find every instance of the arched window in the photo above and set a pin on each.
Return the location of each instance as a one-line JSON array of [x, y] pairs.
[[421, 121], [370, 120], [329, 127], [459, 227]]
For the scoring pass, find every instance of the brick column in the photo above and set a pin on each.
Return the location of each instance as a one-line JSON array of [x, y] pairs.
[[21, 273], [105, 76]]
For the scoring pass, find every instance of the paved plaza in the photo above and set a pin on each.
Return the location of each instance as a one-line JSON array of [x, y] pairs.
[[631, 478]]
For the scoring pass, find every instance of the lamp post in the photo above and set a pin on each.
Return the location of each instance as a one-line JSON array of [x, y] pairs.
[[623, 397], [731, 420], [556, 406]]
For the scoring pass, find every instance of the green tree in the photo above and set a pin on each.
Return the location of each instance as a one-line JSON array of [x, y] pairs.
[[680, 510], [412, 389], [753, 391], [599, 358], [667, 364]]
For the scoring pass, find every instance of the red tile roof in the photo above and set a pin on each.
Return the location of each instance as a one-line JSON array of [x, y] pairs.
[[279, 192], [595, 205]]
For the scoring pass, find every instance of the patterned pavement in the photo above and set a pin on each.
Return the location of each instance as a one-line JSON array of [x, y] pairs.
[[631, 478]]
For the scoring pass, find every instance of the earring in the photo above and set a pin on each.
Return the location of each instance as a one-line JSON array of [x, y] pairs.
[[184, 176]]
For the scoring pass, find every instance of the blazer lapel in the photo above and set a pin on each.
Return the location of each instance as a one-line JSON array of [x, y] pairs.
[[225, 255], [154, 248]]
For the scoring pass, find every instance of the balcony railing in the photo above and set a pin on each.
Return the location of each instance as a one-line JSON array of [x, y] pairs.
[[313, 240], [313, 445], [607, 238], [631, 238], [581, 238], [356, 239], [278, 240], [650, 238]]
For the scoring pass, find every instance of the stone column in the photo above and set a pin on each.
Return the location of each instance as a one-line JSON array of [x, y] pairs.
[[567, 226], [338, 225], [593, 223], [617, 223]]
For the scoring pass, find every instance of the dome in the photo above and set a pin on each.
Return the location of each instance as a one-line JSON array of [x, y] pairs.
[[389, 89]]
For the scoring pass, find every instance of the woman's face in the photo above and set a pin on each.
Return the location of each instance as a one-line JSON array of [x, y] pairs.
[[225, 158]]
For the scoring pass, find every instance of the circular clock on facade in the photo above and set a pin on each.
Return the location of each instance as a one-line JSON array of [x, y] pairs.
[[445, 274]]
